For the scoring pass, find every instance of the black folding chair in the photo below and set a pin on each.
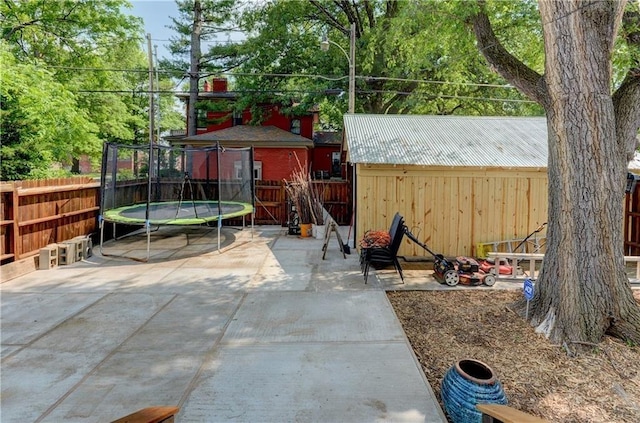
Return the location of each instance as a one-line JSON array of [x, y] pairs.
[[381, 257]]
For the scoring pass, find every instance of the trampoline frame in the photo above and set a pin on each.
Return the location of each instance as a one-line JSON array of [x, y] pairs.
[[113, 215]]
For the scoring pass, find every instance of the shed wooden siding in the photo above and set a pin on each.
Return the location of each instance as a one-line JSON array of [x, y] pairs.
[[451, 210]]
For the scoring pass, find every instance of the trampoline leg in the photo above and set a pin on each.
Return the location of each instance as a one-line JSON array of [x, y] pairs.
[[219, 226], [101, 234], [148, 240]]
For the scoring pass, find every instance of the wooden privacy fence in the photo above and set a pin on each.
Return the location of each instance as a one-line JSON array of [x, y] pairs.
[[36, 213], [271, 201], [632, 223]]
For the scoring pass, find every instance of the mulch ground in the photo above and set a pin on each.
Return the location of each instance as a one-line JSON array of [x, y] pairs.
[[599, 385]]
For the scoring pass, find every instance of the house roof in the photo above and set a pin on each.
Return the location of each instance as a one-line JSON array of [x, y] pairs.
[[249, 135], [453, 141], [327, 138]]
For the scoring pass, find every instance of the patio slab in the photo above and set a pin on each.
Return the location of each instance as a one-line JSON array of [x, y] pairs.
[[263, 330]]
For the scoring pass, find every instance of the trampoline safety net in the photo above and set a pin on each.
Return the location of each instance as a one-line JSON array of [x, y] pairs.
[[162, 185]]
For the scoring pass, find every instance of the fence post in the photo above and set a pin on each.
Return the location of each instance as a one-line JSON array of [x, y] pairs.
[[283, 204], [15, 229]]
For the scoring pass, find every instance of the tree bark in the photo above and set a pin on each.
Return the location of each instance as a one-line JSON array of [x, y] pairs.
[[582, 291], [194, 70]]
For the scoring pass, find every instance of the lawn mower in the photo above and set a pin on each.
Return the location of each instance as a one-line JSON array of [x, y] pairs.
[[463, 270], [504, 267]]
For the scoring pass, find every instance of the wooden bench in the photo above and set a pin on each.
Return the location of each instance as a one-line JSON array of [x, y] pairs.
[[151, 415], [497, 413]]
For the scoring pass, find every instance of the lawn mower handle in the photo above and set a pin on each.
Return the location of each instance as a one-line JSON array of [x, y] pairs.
[[413, 238]]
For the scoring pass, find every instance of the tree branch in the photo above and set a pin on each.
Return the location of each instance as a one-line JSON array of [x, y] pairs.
[[352, 15], [626, 99], [8, 34], [370, 15], [626, 103], [509, 67], [332, 20]]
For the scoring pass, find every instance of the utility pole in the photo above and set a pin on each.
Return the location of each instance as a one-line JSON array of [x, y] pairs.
[[351, 58], [352, 68], [152, 107], [194, 70], [155, 55]]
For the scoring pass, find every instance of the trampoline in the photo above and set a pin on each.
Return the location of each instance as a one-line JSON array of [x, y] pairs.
[[154, 185], [177, 213]]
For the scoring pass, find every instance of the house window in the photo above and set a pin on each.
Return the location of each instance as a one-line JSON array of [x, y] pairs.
[[295, 126], [237, 118], [201, 118], [257, 170]]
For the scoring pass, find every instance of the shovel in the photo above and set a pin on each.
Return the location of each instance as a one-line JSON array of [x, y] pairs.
[[345, 246]]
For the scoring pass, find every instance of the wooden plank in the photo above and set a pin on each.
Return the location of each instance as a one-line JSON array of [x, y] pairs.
[[23, 192], [506, 414], [160, 414], [18, 268], [57, 216], [15, 230]]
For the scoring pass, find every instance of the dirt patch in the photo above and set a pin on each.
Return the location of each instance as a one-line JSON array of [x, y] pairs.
[[600, 385]]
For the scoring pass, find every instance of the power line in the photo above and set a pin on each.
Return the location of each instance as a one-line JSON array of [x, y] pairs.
[[424, 81], [296, 75], [457, 97], [405, 93]]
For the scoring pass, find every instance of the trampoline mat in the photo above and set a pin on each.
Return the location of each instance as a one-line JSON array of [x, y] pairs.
[[176, 213]]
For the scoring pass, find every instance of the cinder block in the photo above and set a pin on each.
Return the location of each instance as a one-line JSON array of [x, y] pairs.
[[48, 257], [66, 253], [78, 247], [87, 245]]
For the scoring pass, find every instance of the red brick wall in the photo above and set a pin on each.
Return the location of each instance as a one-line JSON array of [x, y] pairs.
[[321, 159], [279, 163]]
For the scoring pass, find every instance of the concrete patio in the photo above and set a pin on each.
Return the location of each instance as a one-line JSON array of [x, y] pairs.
[[264, 331]]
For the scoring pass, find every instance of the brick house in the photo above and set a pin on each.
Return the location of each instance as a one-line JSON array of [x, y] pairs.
[[282, 143]]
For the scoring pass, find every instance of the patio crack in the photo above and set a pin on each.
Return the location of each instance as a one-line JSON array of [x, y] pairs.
[[210, 353]]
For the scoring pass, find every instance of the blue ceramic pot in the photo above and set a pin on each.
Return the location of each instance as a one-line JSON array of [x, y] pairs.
[[467, 383]]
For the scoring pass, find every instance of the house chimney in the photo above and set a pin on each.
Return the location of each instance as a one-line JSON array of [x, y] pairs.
[[219, 85], [206, 86]]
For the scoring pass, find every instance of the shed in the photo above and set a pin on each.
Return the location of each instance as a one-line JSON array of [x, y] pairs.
[[457, 180]]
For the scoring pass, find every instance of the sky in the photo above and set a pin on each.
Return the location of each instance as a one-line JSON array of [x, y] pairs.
[[157, 16]]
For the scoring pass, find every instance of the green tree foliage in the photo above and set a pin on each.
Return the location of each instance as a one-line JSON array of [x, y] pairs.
[[411, 56], [218, 18], [41, 121], [91, 50]]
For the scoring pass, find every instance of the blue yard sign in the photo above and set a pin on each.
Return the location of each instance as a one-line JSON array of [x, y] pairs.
[[528, 294], [528, 289]]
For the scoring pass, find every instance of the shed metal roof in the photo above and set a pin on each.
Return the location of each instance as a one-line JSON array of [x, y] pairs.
[[453, 141]]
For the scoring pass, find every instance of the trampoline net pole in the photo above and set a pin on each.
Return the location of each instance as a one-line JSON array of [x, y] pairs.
[[219, 190], [148, 240]]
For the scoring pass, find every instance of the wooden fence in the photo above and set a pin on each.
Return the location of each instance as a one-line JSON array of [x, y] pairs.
[[271, 201], [632, 223], [36, 213]]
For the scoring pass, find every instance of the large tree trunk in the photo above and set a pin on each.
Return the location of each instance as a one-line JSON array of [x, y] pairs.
[[583, 291]]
